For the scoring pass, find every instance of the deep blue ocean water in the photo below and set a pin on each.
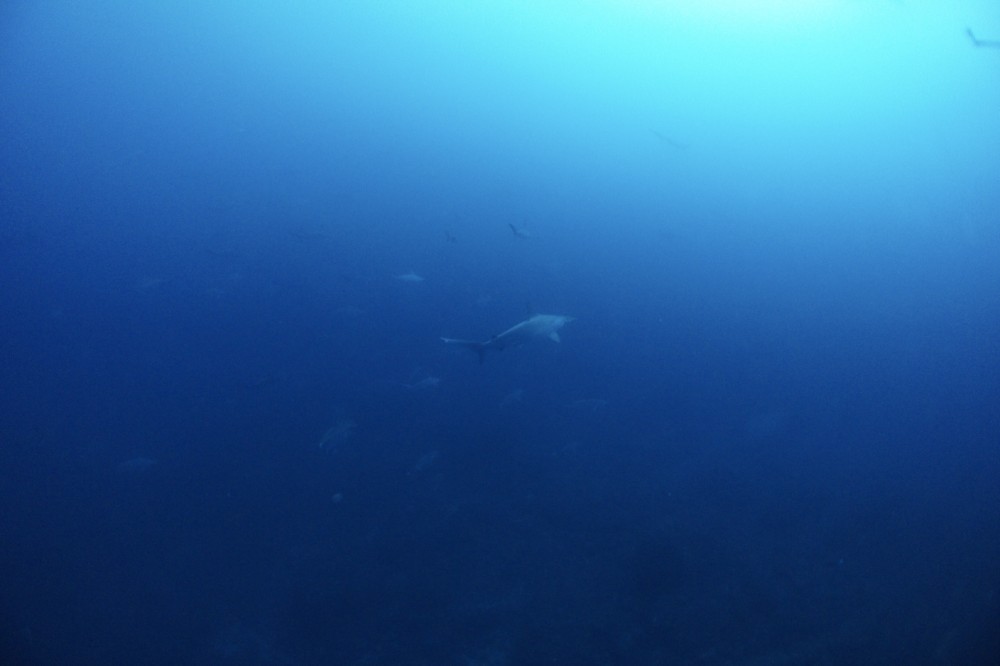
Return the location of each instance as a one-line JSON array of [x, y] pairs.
[[233, 234]]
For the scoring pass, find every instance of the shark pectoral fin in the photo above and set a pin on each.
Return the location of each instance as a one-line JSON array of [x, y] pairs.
[[554, 337]]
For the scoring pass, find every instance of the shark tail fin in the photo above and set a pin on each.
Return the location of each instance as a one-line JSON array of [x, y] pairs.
[[478, 347]]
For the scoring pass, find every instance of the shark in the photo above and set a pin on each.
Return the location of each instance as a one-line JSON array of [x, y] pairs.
[[519, 232], [538, 326], [987, 43]]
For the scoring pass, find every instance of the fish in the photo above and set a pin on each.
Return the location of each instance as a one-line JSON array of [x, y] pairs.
[[589, 404], [670, 141], [409, 277], [519, 232], [425, 384], [538, 326], [517, 395], [137, 465], [987, 43], [339, 433]]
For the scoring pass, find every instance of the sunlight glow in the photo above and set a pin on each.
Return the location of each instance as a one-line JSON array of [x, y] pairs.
[[745, 12]]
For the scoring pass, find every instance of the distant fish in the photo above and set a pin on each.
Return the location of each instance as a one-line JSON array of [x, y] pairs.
[[673, 143], [223, 253], [520, 232], [266, 379], [338, 433], [534, 327], [424, 462], [425, 384], [148, 284], [984, 43], [410, 277], [515, 396], [349, 311], [137, 465]]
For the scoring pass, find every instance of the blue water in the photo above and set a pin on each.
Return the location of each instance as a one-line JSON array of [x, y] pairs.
[[232, 235]]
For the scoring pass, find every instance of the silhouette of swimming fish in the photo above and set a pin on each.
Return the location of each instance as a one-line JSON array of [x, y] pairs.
[[540, 325]]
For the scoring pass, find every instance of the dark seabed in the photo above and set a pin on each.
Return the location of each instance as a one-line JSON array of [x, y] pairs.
[[233, 234]]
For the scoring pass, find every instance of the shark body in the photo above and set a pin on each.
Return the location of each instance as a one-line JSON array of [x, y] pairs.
[[520, 232], [540, 325], [988, 43]]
